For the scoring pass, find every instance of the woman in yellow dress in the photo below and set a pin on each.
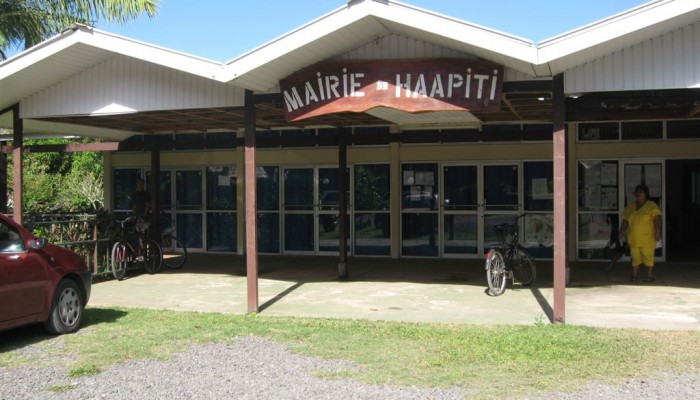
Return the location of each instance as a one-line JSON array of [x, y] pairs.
[[641, 229]]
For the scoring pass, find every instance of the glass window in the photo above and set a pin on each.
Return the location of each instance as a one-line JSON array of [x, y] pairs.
[[299, 189], [538, 235], [268, 201], [372, 193], [595, 231], [222, 232], [124, 185], [598, 185], [642, 130], [189, 190], [686, 129], [599, 131], [372, 187], [221, 188], [268, 188], [372, 234], [460, 234], [419, 234], [419, 187], [189, 230], [460, 188], [166, 185], [10, 239], [501, 187], [539, 186], [269, 232], [329, 232], [299, 232]]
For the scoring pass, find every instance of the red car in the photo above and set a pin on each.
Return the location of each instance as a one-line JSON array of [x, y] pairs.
[[40, 282]]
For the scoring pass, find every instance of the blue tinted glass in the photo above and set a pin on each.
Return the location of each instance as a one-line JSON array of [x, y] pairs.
[[189, 190], [372, 187], [124, 185], [460, 234], [299, 232], [299, 188], [189, 230], [419, 235], [221, 188], [268, 188], [372, 234], [269, 232], [221, 232]]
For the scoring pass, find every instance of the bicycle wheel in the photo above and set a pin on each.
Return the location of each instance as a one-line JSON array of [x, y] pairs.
[[118, 260], [523, 267], [174, 252], [152, 256], [496, 273]]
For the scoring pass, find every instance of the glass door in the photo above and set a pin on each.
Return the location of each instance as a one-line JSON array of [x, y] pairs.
[[460, 210], [500, 194], [651, 174], [327, 210], [298, 208], [311, 203], [189, 208]]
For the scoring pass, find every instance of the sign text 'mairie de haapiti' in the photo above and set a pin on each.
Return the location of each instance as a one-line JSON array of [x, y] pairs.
[[409, 85]]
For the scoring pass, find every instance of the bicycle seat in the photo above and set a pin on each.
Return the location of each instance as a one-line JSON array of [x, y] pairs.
[[505, 228], [168, 231]]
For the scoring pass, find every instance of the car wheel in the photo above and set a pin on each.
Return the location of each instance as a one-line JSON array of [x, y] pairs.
[[66, 309]]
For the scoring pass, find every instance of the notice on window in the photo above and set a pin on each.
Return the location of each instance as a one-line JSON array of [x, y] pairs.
[[540, 190], [224, 180], [608, 174], [409, 178], [608, 198]]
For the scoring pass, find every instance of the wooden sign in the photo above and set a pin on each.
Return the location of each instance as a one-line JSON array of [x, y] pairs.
[[409, 85]]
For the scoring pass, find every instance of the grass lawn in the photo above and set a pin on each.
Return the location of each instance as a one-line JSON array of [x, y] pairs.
[[492, 359]]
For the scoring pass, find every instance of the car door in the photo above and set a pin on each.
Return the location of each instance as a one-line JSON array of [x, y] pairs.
[[24, 283]]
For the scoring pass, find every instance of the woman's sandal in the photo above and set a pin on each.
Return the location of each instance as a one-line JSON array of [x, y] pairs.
[[649, 279]]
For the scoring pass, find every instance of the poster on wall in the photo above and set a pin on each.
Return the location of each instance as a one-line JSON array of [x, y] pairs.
[[598, 189]]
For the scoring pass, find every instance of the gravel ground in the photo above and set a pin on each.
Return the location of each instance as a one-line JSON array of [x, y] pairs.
[[257, 368]]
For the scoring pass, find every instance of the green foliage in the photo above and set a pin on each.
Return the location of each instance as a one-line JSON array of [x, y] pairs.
[[83, 370], [24, 23], [61, 182]]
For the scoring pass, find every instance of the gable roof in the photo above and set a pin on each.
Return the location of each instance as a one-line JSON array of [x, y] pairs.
[[77, 49], [362, 21]]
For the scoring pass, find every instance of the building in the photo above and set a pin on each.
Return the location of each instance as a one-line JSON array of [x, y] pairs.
[[444, 129]]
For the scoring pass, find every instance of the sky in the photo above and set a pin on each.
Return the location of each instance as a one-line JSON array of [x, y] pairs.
[[221, 30]]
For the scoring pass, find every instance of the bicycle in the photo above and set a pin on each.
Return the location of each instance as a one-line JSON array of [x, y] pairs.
[[509, 260], [174, 250], [147, 251]]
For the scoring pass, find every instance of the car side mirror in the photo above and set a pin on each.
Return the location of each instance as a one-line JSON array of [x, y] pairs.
[[37, 243]]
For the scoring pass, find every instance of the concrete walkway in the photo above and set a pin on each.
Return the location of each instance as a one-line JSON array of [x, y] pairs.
[[417, 290]]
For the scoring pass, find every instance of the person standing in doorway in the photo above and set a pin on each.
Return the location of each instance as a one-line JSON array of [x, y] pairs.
[[141, 200], [641, 229]]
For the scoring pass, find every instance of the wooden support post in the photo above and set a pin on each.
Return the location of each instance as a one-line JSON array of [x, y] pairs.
[[17, 164], [559, 149], [343, 272], [251, 226]]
